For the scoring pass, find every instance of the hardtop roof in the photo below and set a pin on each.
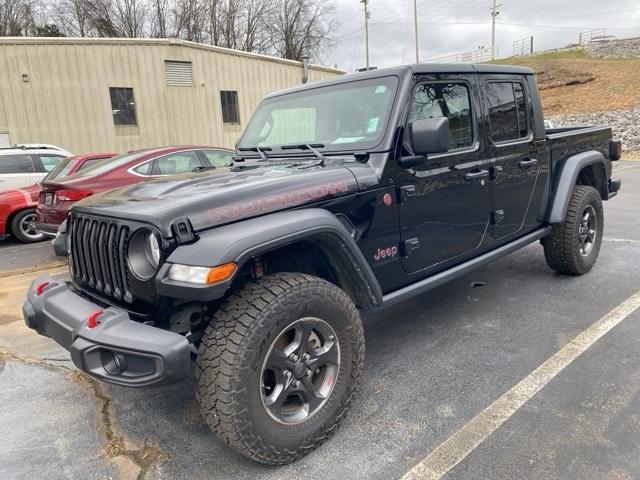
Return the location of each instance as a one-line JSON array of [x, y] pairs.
[[419, 68]]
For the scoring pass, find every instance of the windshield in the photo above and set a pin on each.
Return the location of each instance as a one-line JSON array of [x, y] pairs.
[[108, 164], [347, 116], [62, 169]]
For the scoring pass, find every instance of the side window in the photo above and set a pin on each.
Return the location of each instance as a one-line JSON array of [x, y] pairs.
[[218, 158], [145, 168], [50, 161], [19, 163], [179, 162], [451, 100], [123, 106], [507, 111]]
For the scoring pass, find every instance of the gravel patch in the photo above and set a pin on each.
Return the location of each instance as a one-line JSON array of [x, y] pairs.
[[624, 48], [625, 124]]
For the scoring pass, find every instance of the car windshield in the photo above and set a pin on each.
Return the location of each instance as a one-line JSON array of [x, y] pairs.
[[62, 169], [109, 164], [347, 116]]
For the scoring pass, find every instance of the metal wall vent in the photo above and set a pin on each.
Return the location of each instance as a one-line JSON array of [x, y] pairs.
[[178, 74]]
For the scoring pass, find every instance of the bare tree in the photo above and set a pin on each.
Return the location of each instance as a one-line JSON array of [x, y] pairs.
[[17, 17], [189, 19], [302, 27], [73, 17], [130, 17], [159, 18]]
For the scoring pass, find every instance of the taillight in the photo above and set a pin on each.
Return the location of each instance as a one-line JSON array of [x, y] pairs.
[[615, 150], [72, 195]]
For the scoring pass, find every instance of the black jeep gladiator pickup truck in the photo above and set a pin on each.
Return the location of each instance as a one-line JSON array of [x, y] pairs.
[[345, 195]]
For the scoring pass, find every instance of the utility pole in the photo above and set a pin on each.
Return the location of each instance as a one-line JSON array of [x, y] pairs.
[[415, 27], [366, 31], [494, 14]]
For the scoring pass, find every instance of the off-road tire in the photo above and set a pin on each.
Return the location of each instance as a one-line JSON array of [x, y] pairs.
[[17, 226], [562, 246], [232, 352]]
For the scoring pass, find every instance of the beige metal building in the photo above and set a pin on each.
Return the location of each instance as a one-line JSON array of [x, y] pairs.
[[90, 95]]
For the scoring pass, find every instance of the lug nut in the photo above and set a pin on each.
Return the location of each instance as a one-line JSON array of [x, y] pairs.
[[293, 357], [309, 372], [306, 357], [296, 383], [287, 373]]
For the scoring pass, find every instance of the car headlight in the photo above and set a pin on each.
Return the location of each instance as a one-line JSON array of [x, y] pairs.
[[153, 250], [144, 254], [201, 275]]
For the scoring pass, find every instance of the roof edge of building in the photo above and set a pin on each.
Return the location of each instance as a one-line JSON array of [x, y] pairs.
[[156, 41]]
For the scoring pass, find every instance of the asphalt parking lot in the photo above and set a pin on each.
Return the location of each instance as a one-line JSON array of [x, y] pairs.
[[436, 368]]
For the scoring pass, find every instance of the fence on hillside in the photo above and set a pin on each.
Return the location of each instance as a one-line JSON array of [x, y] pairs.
[[593, 36], [476, 56], [523, 46]]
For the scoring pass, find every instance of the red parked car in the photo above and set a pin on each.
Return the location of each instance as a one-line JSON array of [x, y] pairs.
[[18, 205], [57, 197]]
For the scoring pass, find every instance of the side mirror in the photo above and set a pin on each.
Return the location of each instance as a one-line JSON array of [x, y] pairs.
[[430, 135]]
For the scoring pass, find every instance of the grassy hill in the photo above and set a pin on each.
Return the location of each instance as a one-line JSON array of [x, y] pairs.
[[573, 83]]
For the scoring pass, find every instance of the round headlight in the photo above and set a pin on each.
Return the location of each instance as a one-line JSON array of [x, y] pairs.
[[153, 249], [144, 254]]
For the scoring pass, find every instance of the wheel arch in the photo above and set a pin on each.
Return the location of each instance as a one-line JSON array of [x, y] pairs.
[[13, 214], [309, 241], [586, 168]]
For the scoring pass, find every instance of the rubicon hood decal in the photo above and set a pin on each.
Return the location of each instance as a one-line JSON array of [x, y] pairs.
[[224, 195], [279, 201]]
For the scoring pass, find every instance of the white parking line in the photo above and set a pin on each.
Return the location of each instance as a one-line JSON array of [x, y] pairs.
[[453, 450]]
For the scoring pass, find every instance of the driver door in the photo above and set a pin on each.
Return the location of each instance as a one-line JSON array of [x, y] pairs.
[[445, 203]]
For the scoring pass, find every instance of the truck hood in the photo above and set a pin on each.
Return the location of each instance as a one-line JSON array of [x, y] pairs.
[[223, 195]]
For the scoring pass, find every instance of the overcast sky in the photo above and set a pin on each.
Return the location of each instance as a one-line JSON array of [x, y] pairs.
[[456, 26]]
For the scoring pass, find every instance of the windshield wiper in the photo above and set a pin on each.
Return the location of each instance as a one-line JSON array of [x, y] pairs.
[[307, 146], [260, 151]]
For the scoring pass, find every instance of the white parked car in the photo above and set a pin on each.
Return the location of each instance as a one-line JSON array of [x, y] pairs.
[[26, 164]]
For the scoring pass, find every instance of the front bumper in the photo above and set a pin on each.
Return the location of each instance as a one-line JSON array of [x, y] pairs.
[[111, 346]]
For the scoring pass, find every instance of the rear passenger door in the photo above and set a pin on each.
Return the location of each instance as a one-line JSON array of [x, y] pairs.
[[514, 155], [17, 170]]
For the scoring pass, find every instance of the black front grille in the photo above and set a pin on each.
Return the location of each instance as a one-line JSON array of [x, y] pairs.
[[98, 254]]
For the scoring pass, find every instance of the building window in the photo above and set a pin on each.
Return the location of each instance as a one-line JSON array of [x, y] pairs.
[[123, 106], [178, 74], [229, 101]]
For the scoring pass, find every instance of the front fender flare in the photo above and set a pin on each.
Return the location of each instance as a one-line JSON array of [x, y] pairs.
[[565, 182], [240, 242]]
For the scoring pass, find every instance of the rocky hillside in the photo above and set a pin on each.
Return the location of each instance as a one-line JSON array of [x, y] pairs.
[[591, 85]]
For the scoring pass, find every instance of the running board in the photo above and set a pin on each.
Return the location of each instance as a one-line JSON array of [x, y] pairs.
[[434, 281]]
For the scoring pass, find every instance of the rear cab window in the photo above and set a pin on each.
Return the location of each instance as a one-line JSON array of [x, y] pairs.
[[17, 163], [508, 113]]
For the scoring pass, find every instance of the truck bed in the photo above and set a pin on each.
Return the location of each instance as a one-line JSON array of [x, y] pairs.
[[567, 141]]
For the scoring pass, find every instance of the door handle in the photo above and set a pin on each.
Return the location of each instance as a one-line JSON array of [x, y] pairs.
[[473, 176], [528, 162]]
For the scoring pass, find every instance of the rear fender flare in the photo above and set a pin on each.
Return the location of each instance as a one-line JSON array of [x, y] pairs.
[[242, 241], [567, 179]]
